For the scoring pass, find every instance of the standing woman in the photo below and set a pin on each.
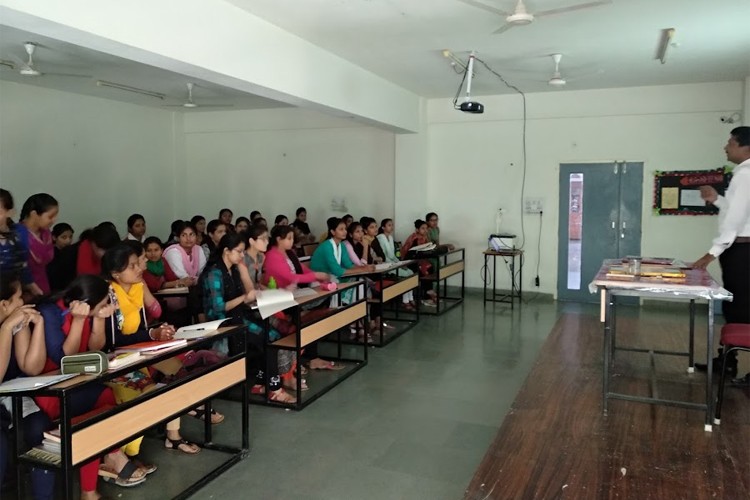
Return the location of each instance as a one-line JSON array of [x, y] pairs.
[[37, 216], [385, 238]]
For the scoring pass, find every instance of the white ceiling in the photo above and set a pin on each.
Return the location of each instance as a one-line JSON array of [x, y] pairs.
[[54, 56], [402, 40]]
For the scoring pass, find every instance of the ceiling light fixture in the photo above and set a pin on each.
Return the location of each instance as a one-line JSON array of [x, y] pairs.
[[664, 43], [128, 88]]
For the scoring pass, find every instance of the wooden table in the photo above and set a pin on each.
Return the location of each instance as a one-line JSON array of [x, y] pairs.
[[445, 266], [516, 286], [117, 426], [697, 285], [316, 326], [392, 286]]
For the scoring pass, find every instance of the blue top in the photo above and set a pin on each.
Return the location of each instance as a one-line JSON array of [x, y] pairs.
[[14, 253], [54, 337]]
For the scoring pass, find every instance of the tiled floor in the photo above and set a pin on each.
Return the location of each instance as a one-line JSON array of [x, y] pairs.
[[413, 424]]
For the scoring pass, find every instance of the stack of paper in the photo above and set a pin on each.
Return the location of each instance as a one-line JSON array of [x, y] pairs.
[[117, 361], [153, 347], [423, 248]]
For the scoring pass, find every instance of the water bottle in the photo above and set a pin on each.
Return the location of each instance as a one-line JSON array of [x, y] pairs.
[[272, 283]]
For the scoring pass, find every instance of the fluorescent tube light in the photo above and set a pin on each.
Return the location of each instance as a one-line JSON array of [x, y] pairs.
[[128, 88]]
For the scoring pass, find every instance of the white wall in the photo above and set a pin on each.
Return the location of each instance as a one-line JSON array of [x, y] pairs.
[[102, 160], [475, 162], [277, 160]]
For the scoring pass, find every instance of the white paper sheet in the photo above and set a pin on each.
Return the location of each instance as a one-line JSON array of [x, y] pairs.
[[27, 383], [272, 301], [691, 198], [198, 330]]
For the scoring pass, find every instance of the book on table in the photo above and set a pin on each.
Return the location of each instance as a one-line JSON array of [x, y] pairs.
[[118, 360], [272, 301], [52, 435], [152, 347], [29, 383], [199, 330], [425, 247]]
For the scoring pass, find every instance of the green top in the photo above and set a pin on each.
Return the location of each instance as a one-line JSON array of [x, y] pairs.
[[323, 259], [433, 234]]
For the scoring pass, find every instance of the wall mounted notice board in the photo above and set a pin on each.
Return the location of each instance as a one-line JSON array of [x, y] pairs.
[[678, 192]]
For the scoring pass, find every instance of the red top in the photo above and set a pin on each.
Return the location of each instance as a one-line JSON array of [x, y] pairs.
[[154, 282], [88, 262], [276, 266]]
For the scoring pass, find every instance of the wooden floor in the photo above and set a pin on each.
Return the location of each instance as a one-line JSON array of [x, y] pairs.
[[555, 443]]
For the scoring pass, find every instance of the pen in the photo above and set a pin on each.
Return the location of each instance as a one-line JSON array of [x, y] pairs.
[[67, 311]]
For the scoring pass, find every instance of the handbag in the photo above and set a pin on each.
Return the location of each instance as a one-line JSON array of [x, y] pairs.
[[87, 363]]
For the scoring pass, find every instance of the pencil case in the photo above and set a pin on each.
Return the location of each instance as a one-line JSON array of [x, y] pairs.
[[87, 363]]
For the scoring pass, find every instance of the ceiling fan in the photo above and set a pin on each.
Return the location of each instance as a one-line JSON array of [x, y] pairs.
[[27, 68], [191, 104], [521, 15], [558, 80]]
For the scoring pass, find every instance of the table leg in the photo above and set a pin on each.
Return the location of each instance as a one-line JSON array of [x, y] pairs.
[[512, 280], [605, 296], [66, 453], [520, 279], [709, 368], [494, 276], [486, 273], [612, 303], [18, 442], [691, 347]]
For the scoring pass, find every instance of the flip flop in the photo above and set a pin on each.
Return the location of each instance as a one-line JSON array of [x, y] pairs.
[[175, 445], [201, 415]]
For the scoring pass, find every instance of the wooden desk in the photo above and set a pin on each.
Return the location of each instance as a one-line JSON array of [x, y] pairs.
[[315, 327], [117, 426], [697, 285], [445, 266], [392, 286], [516, 286]]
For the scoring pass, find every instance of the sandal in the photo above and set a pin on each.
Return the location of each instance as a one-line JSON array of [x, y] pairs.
[[182, 445], [258, 389], [281, 396], [200, 414], [126, 477], [293, 387], [328, 365], [146, 468]]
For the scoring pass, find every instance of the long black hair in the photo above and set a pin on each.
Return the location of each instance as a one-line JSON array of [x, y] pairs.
[[116, 259], [89, 288], [279, 232], [10, 282], [39, 203]]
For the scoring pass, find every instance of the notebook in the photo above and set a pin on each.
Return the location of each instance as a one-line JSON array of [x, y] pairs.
[[153, 346], [198, 330], [30, 383]]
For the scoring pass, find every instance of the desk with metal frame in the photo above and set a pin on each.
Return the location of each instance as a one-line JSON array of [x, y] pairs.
[[697, 285], [391, 286], [516, 286], [320, 326], [445, 266], [116, 426]]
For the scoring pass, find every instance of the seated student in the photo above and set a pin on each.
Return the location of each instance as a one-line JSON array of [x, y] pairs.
[[158, 275], [280, 220], [283, 265], [304, 235], [433, 231], [62, 235], [128, 325], [254, 215], [136, 228], [357, 248], [173, 229], [200, 229], [348, 219], [216, 230], [83, 257], [37, 216], [241, 224], [385, 239], [418, 237], [260, 221], [331, 257], [225, 216], [74, 321], [375, 254], [153, 308], [225, 296], [186, 259], [256, 244], [22, 352]]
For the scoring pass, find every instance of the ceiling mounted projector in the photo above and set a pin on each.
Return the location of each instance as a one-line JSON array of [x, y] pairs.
[[469, 106]]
